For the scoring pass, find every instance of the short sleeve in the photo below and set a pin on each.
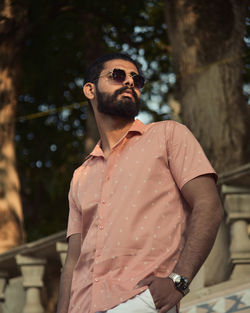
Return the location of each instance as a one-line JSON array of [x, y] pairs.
[[186, 157], [75, 216]]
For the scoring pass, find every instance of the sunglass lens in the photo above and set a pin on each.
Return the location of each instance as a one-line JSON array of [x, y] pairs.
[[138, 81], [119, 75]]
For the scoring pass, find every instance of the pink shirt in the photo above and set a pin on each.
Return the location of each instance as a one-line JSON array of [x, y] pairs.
[[130, 212]]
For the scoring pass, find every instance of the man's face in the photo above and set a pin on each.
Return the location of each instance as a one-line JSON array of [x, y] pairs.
[[114, 98]]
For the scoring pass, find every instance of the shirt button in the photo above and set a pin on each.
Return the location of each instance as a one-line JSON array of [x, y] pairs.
[[96, 279], [103, 201], [101, 227]]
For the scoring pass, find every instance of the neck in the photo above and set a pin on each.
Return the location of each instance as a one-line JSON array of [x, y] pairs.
[[111, 129]]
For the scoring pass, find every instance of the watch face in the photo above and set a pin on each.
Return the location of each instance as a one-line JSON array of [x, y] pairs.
[[181, 282]]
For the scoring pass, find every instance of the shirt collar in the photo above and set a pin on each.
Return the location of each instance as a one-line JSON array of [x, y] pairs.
[[137, 127]]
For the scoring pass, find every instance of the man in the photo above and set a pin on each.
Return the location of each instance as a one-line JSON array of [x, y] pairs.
[[144, 210]]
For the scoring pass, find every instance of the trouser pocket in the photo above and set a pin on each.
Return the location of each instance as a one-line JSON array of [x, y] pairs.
[[147, 298]]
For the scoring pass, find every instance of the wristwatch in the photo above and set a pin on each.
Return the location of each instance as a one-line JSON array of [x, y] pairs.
[[181, 283]]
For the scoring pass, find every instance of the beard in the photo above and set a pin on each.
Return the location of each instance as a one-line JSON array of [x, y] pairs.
[[126, 107]]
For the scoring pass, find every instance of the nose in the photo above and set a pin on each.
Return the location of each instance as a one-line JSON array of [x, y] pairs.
[[128, 81]]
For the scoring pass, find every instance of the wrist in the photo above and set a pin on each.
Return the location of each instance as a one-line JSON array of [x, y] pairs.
[[181, 283]]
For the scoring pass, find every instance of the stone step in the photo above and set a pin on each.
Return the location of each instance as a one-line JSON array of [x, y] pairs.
[[229, 297]]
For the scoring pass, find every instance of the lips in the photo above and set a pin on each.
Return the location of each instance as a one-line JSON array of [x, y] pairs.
[[126, 93]]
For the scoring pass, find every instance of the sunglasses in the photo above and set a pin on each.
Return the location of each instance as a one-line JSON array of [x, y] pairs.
[[119, 76]]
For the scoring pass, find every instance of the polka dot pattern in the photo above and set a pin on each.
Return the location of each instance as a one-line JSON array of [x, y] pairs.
[[129, 211]]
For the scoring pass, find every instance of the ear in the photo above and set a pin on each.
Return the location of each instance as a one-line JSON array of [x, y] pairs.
[[89, 90]]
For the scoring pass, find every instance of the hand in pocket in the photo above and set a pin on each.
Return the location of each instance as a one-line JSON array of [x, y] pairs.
[[163, 292]]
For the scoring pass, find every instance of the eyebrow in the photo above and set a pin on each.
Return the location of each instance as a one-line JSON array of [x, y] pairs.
[[118, 68]]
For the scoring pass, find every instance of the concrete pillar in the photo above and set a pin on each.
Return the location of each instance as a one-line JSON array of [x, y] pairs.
[[238, 210], [240, 242], [62, 248], [32, 270]]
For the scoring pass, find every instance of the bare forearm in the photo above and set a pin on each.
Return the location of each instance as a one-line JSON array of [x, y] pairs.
[[74, 248], [64, 291], [200, 236]]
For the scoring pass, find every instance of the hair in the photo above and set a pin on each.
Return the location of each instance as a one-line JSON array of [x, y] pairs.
[[93, 71]]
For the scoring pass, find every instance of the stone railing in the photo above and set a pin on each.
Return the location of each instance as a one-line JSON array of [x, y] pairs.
[[235, 191], [232, 296], [22, 275], [29, 274]]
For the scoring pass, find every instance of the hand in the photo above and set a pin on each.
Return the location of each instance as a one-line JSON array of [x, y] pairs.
[[163, 292]]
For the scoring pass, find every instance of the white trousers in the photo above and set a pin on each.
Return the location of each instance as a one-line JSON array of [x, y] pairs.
[[141, 303]]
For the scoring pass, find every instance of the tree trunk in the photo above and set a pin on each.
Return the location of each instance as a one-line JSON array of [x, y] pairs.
[[11, 217], [207, 45]]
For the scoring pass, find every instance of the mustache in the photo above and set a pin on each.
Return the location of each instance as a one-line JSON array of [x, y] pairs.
[[122, 89]]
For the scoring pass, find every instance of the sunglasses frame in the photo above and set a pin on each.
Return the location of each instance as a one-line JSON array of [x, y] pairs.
[[138, 84]]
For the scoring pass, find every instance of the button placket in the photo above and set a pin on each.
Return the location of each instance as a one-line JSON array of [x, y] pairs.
[[100, 227], [104, 197], [102, 215]]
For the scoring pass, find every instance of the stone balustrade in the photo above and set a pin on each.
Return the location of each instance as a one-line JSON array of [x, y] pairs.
[[28, 262], [237, 206], [235, 191], [62, 248], [32, 270]]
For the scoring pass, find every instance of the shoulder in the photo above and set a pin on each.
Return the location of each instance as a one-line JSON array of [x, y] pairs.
[[166, 123], [79, 171], [170, 127]]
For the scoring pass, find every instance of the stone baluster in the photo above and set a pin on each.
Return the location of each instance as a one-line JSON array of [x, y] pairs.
[[238, 216], [32, 270], [62, 248]]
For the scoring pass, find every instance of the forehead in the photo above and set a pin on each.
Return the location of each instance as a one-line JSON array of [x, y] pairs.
[[121, 64]]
